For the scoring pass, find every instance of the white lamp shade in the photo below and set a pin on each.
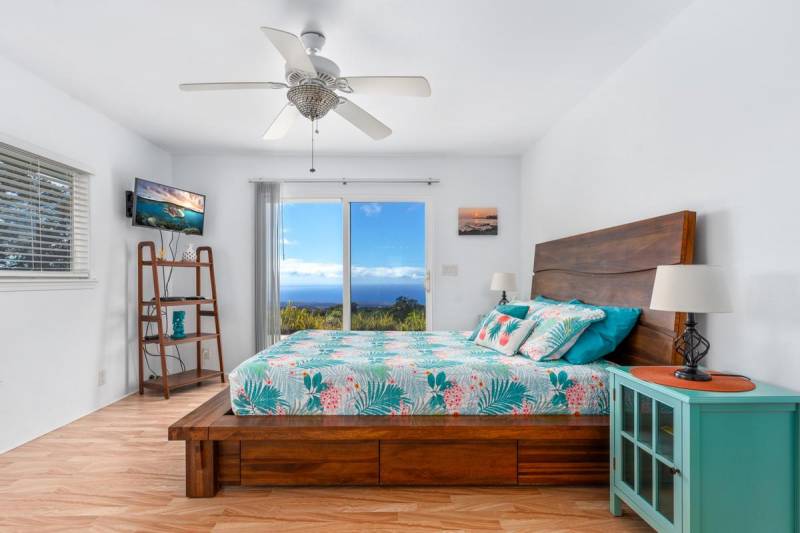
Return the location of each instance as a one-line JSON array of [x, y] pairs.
[[504, 281], [690, 289]]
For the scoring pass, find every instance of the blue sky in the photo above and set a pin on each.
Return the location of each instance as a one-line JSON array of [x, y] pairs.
[[387, 243]]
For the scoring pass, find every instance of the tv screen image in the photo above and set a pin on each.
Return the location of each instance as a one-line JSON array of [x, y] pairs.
[[168, 208]]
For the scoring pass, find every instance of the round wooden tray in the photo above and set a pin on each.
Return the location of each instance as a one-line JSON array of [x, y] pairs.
[[663, 375]]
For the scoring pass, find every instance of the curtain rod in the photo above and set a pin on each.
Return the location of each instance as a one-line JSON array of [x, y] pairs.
[[345, 181]]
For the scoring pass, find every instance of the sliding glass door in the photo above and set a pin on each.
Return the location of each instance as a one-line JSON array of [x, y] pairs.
[[387, 266], [355, 265], [311, 267]]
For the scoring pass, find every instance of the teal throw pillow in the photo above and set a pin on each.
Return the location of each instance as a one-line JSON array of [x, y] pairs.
[[603, 337]]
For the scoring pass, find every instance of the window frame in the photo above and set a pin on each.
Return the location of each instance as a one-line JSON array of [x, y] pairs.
[[22, 280]]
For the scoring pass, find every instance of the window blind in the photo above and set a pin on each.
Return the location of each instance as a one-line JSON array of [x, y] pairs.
[[44, 217]]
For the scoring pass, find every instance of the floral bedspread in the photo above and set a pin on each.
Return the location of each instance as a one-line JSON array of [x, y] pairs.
[[409, 373]]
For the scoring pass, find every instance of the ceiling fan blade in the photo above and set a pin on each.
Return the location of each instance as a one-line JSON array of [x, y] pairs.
[[229, 85], [389, 85], [282, 123], [291, 48], [363, 120]]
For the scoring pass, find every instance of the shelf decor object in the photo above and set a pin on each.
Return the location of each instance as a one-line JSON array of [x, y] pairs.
[[177, 324], [694, 461], [691, 289], [503, 281], [190, 254], [154, 311]]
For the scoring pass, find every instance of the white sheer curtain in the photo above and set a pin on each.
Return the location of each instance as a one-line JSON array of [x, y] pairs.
[[268, 251]]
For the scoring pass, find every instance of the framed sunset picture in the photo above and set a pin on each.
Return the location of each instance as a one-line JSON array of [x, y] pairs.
[[477, 221]]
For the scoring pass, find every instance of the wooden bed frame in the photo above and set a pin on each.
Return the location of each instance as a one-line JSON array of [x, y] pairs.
[[614, 266]]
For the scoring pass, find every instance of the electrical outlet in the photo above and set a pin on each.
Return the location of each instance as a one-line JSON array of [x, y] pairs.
[[206, 355], [101, 378]]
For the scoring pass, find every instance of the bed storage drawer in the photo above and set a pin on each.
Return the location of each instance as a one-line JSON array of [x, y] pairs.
[[309, 463], [449, 463], [570, 461]]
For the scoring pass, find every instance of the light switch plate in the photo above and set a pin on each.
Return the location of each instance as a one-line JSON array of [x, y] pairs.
[[449, 270]]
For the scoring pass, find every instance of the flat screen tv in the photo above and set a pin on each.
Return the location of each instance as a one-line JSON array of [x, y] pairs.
[[168, 208]]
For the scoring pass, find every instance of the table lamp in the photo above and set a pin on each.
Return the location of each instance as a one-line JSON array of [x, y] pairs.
[[690, 289], [504, 281]]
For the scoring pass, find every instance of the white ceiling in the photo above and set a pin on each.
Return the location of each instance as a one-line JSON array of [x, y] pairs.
[[501, 71]]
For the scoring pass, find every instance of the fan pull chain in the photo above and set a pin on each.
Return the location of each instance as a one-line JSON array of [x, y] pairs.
[[312, 169]]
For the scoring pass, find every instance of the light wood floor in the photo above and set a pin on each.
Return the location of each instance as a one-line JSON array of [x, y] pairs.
[[114, 470]]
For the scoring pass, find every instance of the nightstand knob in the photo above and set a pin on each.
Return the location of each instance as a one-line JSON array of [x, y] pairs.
[[674, 471]]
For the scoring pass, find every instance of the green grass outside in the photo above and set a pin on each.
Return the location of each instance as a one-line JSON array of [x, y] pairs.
[[405, 314]]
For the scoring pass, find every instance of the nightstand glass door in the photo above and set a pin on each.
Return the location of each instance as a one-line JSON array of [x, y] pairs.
[[648, 452]]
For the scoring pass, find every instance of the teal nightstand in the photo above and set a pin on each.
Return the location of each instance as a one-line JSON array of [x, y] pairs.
[[695, 461]]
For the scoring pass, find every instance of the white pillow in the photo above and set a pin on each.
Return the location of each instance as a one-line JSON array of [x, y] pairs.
[[503, 333], [558, 327]]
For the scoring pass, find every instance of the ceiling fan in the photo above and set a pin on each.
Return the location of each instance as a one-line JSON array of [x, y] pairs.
[[313, 82]]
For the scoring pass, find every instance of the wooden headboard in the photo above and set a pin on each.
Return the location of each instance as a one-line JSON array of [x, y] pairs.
[[617, 266]]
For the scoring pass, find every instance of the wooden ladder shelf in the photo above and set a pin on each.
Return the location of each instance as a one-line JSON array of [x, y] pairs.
[[154, 311]]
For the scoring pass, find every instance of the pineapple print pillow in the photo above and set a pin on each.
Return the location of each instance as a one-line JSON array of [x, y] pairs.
[[503, 333], [557, 328]]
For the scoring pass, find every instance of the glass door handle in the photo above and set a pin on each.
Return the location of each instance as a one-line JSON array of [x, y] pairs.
[[427, 281], [675, 471]]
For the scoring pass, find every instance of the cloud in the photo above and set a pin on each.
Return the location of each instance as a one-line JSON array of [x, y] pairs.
[[300, 268], [287, 242], [371, 209], [389, 272]]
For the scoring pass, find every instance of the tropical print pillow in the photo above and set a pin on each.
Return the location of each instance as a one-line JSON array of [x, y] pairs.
[[503, 333], [557, 328], [517, 311]]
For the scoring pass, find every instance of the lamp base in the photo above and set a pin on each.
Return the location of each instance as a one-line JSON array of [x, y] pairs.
[[692, 374], [692, 347]]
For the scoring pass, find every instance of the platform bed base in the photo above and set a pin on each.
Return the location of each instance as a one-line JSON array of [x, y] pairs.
[[223, 450]]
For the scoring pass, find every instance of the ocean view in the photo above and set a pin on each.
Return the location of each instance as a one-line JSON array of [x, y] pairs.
[[323, 296]]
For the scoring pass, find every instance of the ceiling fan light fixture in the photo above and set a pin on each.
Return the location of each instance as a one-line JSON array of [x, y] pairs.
[[312, 100], [312, 83]]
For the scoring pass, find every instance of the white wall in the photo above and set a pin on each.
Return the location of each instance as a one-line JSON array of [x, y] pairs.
[[53, 344], [466, 182], [705, 117]]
